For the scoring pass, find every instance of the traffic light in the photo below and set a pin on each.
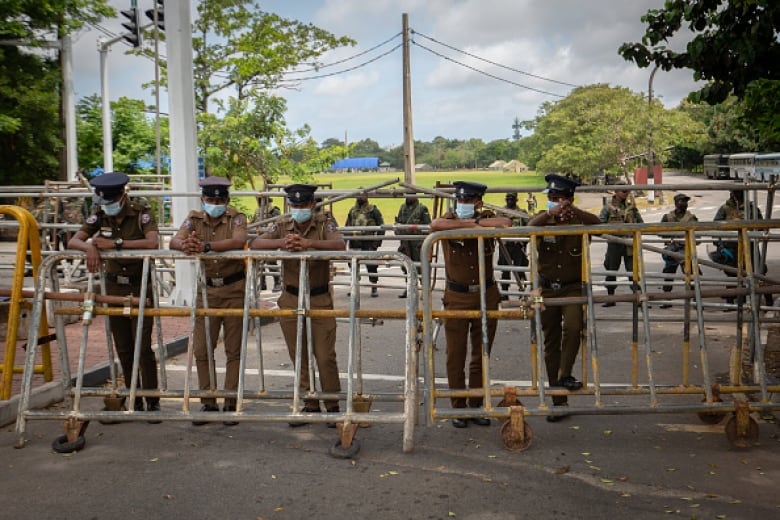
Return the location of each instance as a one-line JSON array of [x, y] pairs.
[[158, 7], [133, 26]]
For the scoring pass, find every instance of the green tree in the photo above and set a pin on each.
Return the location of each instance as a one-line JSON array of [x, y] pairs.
[[240, 48], [600, 128], [735, 49], [30, 84]]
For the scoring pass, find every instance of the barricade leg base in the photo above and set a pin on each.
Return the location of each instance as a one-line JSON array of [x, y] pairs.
[[74, 439], [742, 429], [347, 446], [516, 433]]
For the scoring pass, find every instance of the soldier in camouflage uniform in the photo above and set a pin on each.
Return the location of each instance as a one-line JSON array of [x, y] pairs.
[[515, 248], [365, 214], [727, 251], [267, 209], [619, 210], [412, 213], [679, 214]]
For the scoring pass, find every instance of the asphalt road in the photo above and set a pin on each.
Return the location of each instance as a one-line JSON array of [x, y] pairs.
[[640, 466]]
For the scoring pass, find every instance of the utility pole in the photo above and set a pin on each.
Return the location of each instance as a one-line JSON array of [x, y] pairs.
[[650, 152], [407, 108]]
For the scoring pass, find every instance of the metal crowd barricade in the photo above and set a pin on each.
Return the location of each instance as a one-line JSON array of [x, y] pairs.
[[146, 304], [703, 397], [27, 239]]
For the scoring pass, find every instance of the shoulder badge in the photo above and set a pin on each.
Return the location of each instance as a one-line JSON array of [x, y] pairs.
[[272, 229], [187, 224], [92, 219], [146, 218], [330, 226], [239, 220]]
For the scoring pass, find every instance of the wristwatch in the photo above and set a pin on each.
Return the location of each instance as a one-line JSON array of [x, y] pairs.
[[207, 247], [118, 244]]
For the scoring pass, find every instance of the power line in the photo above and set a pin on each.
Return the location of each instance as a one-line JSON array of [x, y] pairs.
[[320, 76], [486, 73], [493, 62], [320, 67]]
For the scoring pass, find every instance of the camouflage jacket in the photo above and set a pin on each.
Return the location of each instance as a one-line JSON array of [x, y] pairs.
[[366, 215]]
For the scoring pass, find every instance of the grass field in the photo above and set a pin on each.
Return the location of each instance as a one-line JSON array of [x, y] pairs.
[[389, 207]]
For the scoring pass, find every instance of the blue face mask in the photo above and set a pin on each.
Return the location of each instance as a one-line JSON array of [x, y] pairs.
[[213, 210], [300, 215], [464, 210], [551, 205], [113, 209]]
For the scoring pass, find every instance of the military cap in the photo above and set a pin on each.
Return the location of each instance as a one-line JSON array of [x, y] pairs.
[[468, 190], [300, 193], [681, 196], [109, 186], [558, 184], [511, 195], [215, 187]]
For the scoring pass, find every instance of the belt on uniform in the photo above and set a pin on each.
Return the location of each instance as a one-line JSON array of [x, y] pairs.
[[221, 282], [314, 291], [459, 287], [555, 286], [121, 279]]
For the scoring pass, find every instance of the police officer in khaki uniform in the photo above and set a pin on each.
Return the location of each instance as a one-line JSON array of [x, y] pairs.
[[619, 210], [216, 227], [560, 275], [305, 230], [461, 265], [120, 223]]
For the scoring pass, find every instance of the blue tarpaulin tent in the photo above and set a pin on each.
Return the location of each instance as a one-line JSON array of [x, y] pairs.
[[356, 163]]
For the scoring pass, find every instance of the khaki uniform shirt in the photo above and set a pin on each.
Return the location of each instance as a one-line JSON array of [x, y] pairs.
[[137, 221], [227, 226], [461, 257], [560, 257], [320, 227]]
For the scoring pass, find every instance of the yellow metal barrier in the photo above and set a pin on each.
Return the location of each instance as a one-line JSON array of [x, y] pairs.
[[517, 434], [27, 239]]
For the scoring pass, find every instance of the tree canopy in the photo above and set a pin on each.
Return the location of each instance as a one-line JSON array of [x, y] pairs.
[[734, 48]]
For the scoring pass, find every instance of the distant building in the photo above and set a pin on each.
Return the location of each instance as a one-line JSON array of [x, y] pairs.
[[356, 164], [497, 165], [515, 166]]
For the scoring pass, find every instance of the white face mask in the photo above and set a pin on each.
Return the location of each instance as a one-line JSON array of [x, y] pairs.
[[300, 215], [113, 209], [464, 210], [214, 210]]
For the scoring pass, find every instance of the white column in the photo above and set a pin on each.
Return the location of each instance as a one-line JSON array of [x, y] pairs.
[[69, 105], [181, 108]]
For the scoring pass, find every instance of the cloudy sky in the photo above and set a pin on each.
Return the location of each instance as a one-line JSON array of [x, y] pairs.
[[572, 42]]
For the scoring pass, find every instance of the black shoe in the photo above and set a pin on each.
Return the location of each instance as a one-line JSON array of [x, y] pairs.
[[504, 297], [480, 421], [608, 304], [402, 295], [205, 408], [138, 405], [460, 423], [374, 292], [666, 305], [277, 287], [305, 410], [556, 418], [570, 383], [229, 408], [153, 406], [335, 409]]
